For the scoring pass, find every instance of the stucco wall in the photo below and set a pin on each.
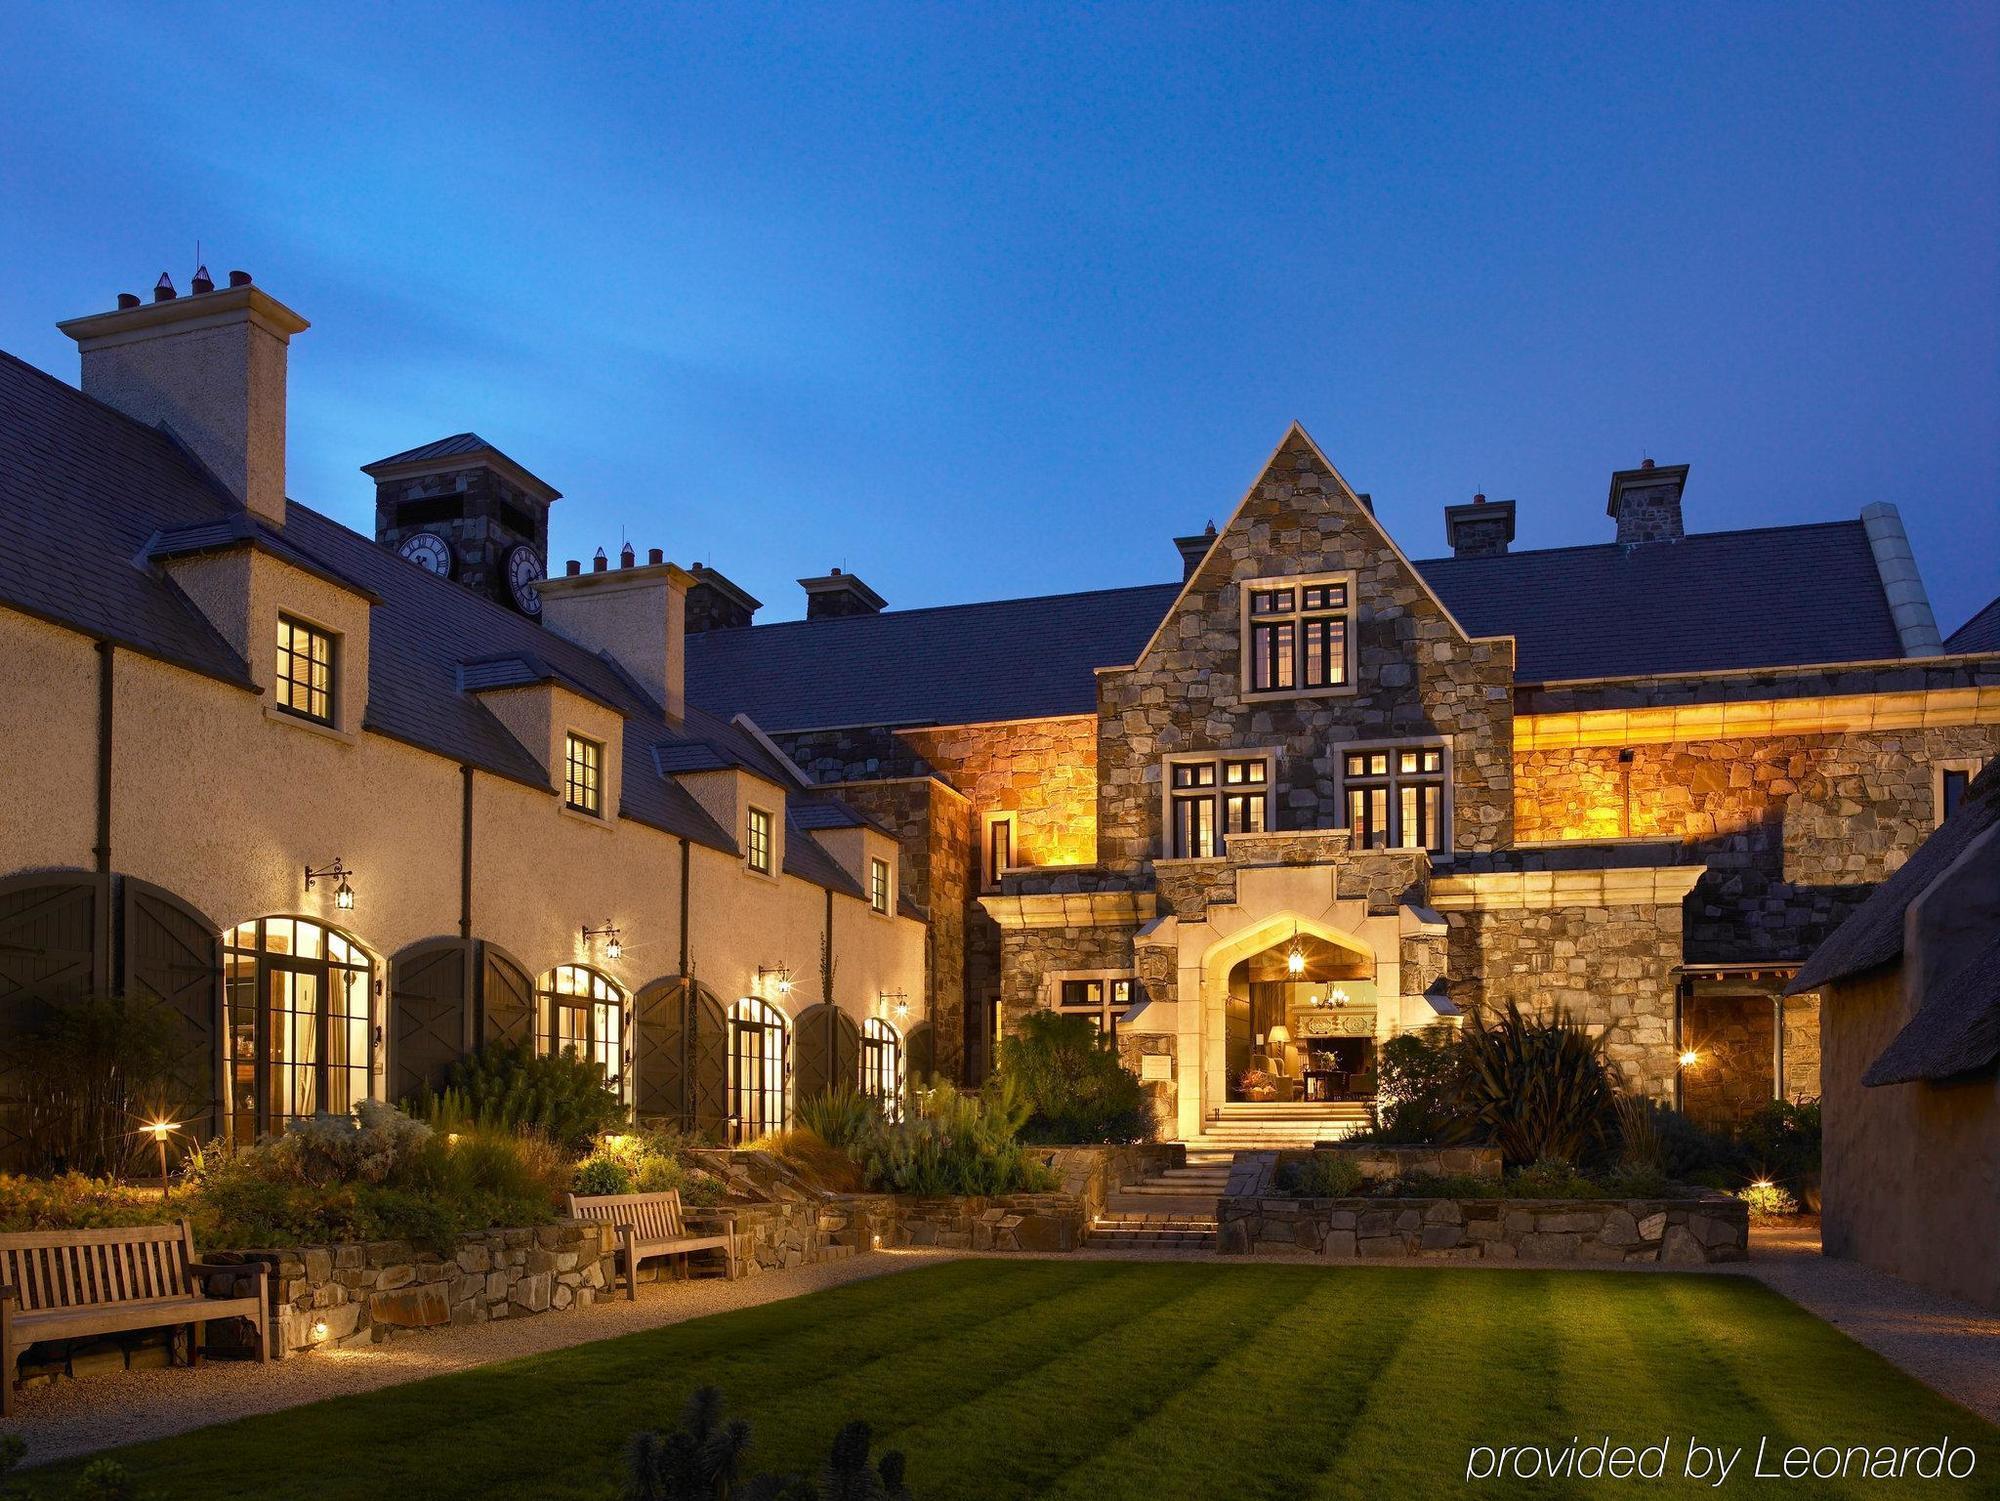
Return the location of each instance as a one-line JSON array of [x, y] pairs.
[[1911, 1175], [48, 723]]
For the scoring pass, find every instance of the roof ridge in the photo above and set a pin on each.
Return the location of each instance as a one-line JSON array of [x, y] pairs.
[[967, 604], [1576, 547]]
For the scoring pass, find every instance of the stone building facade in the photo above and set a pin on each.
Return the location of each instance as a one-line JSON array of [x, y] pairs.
[[1643, 824]]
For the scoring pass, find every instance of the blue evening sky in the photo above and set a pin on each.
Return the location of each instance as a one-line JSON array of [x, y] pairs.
[[993, 301]]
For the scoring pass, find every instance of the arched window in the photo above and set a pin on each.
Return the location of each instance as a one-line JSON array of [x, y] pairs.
[[301, 1031], [882, 1066], [583, 1010], [759, 1037]]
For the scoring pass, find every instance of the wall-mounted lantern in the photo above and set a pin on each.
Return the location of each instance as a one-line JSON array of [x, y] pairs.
[[614, 949], [895, 1003], [343, 894], [780, 974]]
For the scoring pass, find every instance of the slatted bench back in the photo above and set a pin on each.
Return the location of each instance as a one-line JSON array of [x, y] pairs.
[[93, 1268], [655, 1216]]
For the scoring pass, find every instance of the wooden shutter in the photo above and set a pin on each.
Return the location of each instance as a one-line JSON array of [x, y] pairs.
[[659, 1054], [48, 952], [919, 1055], [173, 954], [506, 1001], [826, 1051], [708, 1064], [427, 1022]]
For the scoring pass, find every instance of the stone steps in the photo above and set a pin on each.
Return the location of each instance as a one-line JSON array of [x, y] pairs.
[[1118, 1230]]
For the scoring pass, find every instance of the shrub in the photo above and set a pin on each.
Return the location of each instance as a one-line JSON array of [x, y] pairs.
[[1539, 1089], [700, 1461], [958, 1144], [1421, 1077], [1768, 1201], [1075, 1088], [506, 1086], [1552, 1178], [1636, 1182], [1324, 1175], [1443, 1186], [1782, 1142], [1640, 1144], [599, 1174], [92, 1067], [650, 1160], [818, 1162], [74, 1202], [843, 1118]]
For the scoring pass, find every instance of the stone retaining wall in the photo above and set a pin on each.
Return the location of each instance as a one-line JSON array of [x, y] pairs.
[[1679, 1231], [363, 1292]]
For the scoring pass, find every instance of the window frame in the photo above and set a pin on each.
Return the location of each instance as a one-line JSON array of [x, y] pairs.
[[593, 765], [249, 963], [772, 1091], [280, 678], [1297, 616], [880, 899], [1391, 781], [1217, 794], [1942, 772], [989, 876], [883, 1069], [759, 845], [598, 1045], [1118, 994]]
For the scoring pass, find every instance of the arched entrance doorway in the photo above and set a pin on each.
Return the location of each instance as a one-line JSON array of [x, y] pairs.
[[301, 1023], [1291, 1015]]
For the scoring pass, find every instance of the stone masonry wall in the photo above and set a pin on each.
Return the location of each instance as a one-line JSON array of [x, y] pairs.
[[1416, 675], [1611, 967], [1795, 829], [1030, 956]]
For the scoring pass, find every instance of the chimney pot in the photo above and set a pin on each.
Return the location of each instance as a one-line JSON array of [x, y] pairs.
[[599, 562], [202, 282], [163, 289], [626, 557], [1645, 463], [835, 573], [239, 278], [1479, 498], [573, 568], [655, 556], [128, 299]]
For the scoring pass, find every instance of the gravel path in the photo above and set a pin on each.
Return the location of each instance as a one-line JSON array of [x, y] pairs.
[[76, 1417], [1949, 1346]]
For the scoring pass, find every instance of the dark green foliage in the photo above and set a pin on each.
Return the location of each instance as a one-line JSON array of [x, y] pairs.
[[1536, 1088], [1552, 1178], [1422, 1074], [701, 1459], [97, 1067], [1781, 1142], [843, 1118], [957, 1144], [504, 1086], [1076, 1089], [1324, 1175]]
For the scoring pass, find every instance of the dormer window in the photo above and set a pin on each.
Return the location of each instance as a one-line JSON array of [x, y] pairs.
[[878, 885], [1297, 635], [304, 683], [757, 842], [583, 775]]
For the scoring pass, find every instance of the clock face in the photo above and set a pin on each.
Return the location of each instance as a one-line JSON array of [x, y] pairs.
[[524, 571], [428, 550]]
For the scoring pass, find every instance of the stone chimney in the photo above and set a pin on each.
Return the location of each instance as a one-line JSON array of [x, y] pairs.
[[1646, 503], [840, 594], [1482, 529], [1193, 550], [210, 367], [716, 604], [635, 615]]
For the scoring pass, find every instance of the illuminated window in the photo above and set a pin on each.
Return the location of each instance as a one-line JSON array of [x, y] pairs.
[[882, 1066], [300, 1029], [1394, 797], [1105, 1001], [304, 683], [759, 852], [759, 1064], [999, 848], [583, 1010], [1295, 634], [878, 885], [1953, 780], [1210, 798], [583, 776]]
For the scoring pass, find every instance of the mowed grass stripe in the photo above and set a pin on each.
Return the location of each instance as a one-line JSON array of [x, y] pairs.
[[604, 1391], [1476, 1368], [1278, 1406], [1010, 1439]]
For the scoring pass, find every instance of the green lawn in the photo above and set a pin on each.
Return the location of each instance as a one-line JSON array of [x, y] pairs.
[[1098, 1381]]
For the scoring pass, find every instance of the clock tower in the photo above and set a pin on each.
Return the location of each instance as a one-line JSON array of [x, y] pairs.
[[464, 510]]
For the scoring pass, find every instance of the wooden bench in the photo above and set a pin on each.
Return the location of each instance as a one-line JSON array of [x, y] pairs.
[[650, 1225], [67, 1284]]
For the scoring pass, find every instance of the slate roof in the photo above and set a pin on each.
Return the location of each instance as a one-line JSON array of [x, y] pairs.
[[1771, 597], [1957, 1030], [89, 498], [458, 445], [1980, 633]]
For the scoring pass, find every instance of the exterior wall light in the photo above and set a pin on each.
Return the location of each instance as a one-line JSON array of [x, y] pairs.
[[895, 1002], [318, 1330], [779, 974], [1690, 1058], [343, 894], [614, 950]]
